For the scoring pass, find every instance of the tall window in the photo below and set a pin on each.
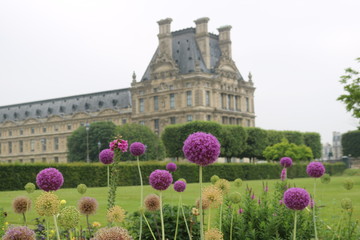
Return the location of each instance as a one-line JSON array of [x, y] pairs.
[[142, 122], [189, 118], [237, 103], [189, 98], [32, 130], [208, 117], [141, 105], [21, 131], [56, 143], [228, 102], [44, 129], [247, 104], [248, 123], [207, 98], [156, 103], [172, 100], [43, 144], [172, 120], [10, 147], [56, 159], [21, 146], [10, 133], [32, 145], [156, 124]]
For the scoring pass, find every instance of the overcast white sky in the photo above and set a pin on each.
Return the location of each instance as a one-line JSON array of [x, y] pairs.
[[295, 49]]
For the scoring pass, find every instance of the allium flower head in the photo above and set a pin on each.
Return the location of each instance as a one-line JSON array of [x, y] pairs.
[[235, 197], [214, 179], [152, 202], [213, 234], [195, 212], [49, 179], [160, 179], [21, 204], [171, 167], [179, 186], [182, 179], [315, 169], [19, 233], [205, 204], [240, 211], [137, 149], [296, 198], [106, 156], [223, 185], [346, 203], [117, 233], [30, 187], [119, 144], [69, 217], [283, 174], [286, 162], [238, 182], [87, 205], [115, 214], [348, 184], [81, 188], [213, 195], [201, 148], [325, 178], [47, 204]]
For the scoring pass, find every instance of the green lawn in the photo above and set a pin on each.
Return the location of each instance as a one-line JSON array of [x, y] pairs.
[[328, 195]]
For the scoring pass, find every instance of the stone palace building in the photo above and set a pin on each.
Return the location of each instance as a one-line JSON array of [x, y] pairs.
[[190, 77]]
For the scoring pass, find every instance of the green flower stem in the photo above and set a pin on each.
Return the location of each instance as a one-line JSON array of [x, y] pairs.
[[185, 220], [201, 210], [314, 218], [147, 222], [88, 224], [231, 223], [162, 218], [294, 234], [24, 217], [108, 176], [141, 195], [177, 218], [56, 228], [47, 228], [220, 222]]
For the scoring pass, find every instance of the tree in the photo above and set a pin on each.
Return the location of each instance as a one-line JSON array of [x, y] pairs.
[[286, 149], [233, 141], [313, 141], [350, 142], [256, 142], [274, 136], [351, 81], [294, 137], [99, 132], [155, 149]]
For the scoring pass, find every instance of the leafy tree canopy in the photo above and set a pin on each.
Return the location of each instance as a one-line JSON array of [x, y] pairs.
[[286, 149]]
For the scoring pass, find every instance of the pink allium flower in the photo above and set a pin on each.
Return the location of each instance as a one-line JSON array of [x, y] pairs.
[[49, 179], [201, 148], [240, 211], [23, 233], [171, 167], [253, 196], [106, 156], [179, 186], [286, 162], [296, 198], [119, 144], [281, 202], [283, 174], [137, 148], [160, 179], [315, 169]]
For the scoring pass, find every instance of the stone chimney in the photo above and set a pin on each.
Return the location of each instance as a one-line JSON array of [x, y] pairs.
[[165, 39], [225, 41], [203, 39]]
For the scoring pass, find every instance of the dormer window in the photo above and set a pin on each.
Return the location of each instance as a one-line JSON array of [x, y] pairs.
[[100, 103], [62, 109], [38, 112], [50, 110], [87, 106]]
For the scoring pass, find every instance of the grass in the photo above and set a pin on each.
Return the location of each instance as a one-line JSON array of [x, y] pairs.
[[328, 197]]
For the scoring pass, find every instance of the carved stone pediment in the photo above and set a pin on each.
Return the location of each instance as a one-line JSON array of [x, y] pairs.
[[107, 112], [9, 123], [31, 121], [226, 67], [80, 115], [54, 118]]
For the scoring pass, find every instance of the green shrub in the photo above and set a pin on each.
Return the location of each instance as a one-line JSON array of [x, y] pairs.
[[350, 142], [351, 172], [15, 176]]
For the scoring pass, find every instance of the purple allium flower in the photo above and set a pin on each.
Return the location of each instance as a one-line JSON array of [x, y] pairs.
[[137, 148], [266, 189], [201, 148], [171, 167], [119, 144], [281, 202], [315, 169], [286, 162], [179, 186], [259, 201], [253, 196], [106, 156], [21, 232], [283, 174], [240, 211], [49, 179], [296, 198], [160, 179]]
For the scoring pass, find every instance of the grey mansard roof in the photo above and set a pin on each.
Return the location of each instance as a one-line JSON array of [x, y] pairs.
[[185, 53], [92, 102]]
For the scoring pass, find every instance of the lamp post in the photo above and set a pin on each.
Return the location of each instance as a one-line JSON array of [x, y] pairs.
[[87, 127], [99, 146]]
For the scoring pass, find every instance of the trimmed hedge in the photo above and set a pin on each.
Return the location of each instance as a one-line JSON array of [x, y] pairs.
[[15, 176]]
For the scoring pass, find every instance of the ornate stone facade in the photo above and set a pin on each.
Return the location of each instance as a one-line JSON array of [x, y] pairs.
[[191, 77]]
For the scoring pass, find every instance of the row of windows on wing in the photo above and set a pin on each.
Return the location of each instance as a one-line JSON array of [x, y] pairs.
[[32, 160], [43, 144], [62, 109], [44, 129]]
